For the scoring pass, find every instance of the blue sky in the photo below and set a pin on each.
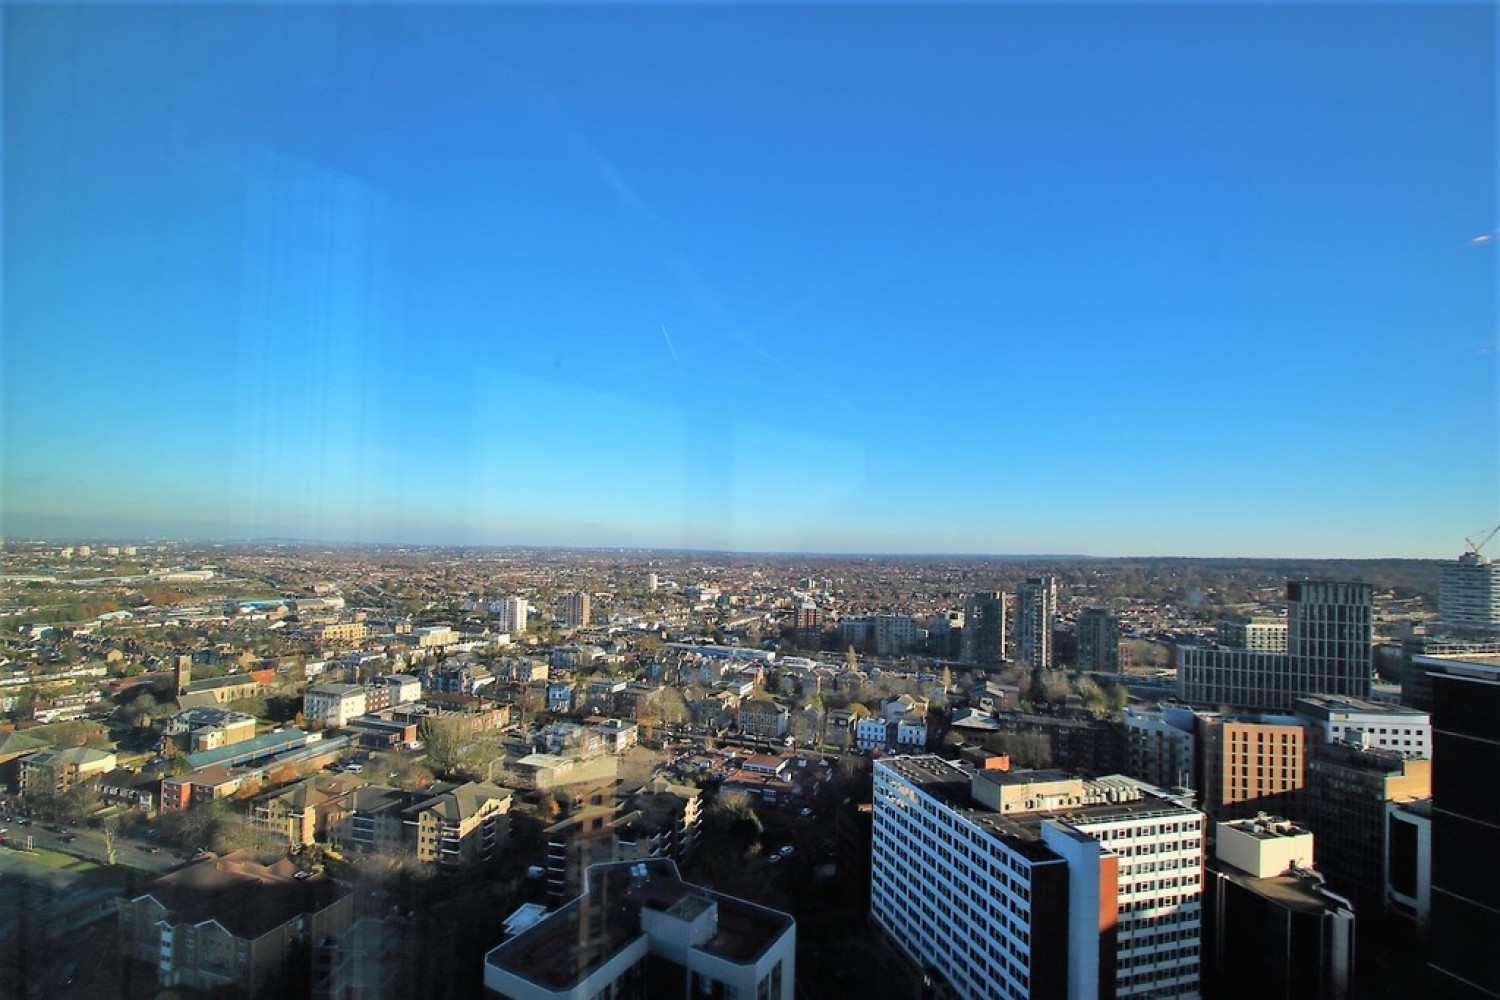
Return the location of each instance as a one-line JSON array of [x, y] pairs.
[[1184, 279]]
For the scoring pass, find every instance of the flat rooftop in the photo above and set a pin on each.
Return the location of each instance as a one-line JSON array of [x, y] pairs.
[[568, 945], [1338, 705], [1021, 832], [1271, 828], [247, 750], [1295, 892]]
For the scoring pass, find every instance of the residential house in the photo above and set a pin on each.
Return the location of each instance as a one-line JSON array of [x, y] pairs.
[[762, 718]]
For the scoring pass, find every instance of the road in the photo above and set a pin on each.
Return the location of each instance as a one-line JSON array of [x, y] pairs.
[[88, 844]]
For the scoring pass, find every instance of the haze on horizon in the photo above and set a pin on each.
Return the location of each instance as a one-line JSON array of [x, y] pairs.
[[1196, 280]]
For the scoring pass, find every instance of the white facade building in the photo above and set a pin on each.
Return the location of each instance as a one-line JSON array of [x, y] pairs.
[[403, 687], [333, 705], [512, 613], [1254, 632], [872, 733], [1053, 883], [1369, 724], [1469, 594]]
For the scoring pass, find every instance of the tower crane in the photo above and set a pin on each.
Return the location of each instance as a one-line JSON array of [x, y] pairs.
[[1475, 547]]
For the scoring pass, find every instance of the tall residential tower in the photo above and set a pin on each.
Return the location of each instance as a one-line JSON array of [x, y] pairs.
[[1036, 607]]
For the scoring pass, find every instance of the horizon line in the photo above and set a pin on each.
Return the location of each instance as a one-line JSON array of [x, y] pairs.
[[291, 542]]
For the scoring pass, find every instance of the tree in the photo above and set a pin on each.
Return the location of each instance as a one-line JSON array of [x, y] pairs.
[[410, 776], [1032, 750], [137, 711], [673, 709], [528, 702], [648, 714], [110, 828], [446, 738], [1093, 696], [235, 832], [1116, 697]]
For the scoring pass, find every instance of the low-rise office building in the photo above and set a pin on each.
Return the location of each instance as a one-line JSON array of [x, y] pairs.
[[639, 930], [1380, 727]]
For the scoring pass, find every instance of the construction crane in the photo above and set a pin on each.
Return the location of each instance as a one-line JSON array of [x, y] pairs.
[[1475, 547]]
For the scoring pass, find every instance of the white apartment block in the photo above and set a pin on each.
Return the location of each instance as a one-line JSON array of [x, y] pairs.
[[512, 613], [403, 688], [333, 705], [872, 733], [1372, 725], [1254, 632], [1051, 883], [1469, 593], [1036, 609]]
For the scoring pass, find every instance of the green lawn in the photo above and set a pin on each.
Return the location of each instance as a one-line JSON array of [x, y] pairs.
[[54, 859]]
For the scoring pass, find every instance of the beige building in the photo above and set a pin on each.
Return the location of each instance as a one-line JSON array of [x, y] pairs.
[[434, 636], [54, 771], [344, 632], [198, 729], [230, 924], [1264, 846], [303, 813], [452, 826], [461, 826]]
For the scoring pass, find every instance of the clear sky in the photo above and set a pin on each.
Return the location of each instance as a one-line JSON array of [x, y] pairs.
[[1181, 279]]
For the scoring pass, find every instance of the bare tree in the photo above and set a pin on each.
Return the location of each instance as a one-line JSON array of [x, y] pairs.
[[111, 828]]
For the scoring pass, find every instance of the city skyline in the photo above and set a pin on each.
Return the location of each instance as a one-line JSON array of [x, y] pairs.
[[1118, 281]]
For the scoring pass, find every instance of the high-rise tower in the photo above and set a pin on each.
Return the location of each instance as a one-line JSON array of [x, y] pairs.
[[984, 628], [1469, 596], [1098, 641], [1036, 606], [574, 609]]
